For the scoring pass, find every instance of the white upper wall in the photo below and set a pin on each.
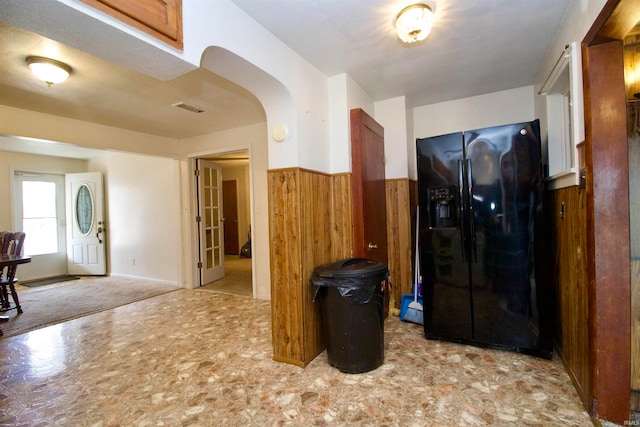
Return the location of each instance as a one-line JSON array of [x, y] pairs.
[[143, 215], [578, 21], [32, 124], [344, 95], [493, 109], [339, 141], [292, 91], [392, 115]]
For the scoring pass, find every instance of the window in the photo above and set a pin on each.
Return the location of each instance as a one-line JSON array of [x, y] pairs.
[[39, 211], [565, 117]]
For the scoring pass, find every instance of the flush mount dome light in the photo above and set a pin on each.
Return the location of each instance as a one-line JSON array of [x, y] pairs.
[[414, 22], [48, 70]]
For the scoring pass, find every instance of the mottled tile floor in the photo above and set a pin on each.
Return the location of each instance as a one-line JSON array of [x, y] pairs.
[[200, 358], [237, 277]]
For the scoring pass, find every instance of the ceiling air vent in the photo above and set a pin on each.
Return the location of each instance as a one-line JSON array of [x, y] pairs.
[[188, 107]]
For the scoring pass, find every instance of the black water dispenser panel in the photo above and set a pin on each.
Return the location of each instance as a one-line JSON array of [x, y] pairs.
[[443, 211]]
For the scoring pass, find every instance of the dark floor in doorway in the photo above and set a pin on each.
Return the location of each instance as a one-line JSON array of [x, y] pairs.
[[49, 281]]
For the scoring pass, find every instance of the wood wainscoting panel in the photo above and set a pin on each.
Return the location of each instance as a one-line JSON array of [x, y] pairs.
[[566, 221], [284, 251], [300, 234], [315, 238], [399, 237], [342, 217], [310, 224]]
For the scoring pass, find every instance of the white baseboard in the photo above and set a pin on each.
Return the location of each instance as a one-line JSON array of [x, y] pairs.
[[149, 279]]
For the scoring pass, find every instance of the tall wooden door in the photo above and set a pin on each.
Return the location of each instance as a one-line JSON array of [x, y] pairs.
[[368, 188], [230, 209]]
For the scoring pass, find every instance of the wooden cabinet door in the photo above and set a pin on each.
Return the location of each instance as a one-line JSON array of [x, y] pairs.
[[160, 18]]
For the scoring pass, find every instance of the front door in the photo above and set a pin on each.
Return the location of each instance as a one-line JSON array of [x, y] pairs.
[[210, 220], [86, 227], [368, 188]]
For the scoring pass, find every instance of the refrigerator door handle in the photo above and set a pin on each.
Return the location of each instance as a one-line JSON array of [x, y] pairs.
[[462, 210], [472, 221]]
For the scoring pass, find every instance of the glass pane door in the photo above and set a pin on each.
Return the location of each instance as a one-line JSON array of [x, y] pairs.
[[39, 217], [210, 222], [39, 212]]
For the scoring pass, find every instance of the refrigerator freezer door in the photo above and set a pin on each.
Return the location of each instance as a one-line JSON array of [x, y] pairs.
[[445, 272], [504, 195]]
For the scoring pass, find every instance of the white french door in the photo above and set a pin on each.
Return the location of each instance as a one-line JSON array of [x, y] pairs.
[[209, 182], [39, 212], [86, 239]]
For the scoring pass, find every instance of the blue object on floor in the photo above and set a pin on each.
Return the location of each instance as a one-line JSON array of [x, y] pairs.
[[411, 315]]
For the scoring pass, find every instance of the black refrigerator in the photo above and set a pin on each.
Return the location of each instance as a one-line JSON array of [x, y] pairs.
[[481, 239]]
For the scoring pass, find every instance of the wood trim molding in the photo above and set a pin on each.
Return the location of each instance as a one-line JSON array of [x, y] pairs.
[[299, 169], [608, 231], [614, 22]]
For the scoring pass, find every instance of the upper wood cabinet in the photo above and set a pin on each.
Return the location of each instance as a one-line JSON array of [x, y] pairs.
[[159, 18]]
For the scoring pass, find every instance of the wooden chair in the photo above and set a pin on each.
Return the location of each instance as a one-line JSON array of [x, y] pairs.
[[10, 244]]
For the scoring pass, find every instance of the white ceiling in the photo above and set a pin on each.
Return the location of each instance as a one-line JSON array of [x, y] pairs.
[[476, 47]]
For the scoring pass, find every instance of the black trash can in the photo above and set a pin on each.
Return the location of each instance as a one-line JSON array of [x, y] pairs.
[[351, 295]]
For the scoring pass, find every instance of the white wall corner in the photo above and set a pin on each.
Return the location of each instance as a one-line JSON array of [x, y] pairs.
[[392, 115], [344, 95], [339, 137]]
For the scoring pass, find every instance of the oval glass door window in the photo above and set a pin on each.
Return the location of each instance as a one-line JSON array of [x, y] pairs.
[[84, 209]]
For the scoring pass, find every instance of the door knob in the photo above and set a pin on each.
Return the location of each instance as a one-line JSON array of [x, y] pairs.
[[371, 247], [100, 230]]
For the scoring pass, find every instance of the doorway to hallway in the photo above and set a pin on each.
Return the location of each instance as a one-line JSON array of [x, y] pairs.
[[237, 277], [233, 206]]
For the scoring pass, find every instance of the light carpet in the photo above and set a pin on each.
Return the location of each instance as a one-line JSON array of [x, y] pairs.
[[53, 304]]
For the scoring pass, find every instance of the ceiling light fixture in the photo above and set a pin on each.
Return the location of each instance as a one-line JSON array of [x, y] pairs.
[[414, 22], [48, 70]]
